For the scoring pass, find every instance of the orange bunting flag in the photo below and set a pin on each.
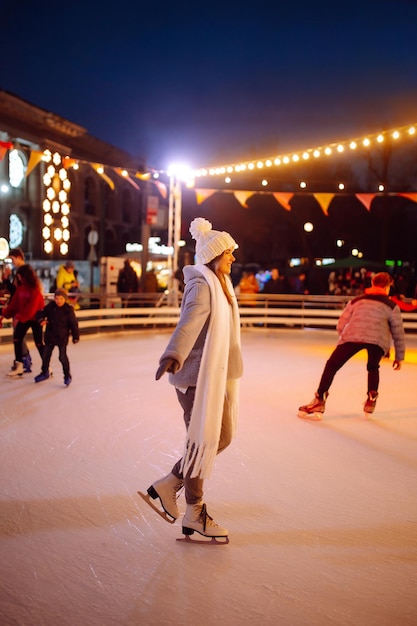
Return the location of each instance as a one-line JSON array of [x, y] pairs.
[[4, 146], [410, 196], [67, 162], [366, 199], [203, 194], [162, 188], [324, 200], [124, 174], [97, 167], [242, 196], [143, 175], [283, 199], [34, 159]]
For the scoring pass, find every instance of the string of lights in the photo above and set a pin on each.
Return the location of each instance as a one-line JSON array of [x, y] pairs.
[[301, 156]]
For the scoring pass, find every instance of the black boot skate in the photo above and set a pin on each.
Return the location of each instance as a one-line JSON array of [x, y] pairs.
[[314, 410], [42, 376], [27, 363]]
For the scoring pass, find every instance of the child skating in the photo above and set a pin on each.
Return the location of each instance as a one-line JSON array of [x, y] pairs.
[[369, 322], [60, 321]]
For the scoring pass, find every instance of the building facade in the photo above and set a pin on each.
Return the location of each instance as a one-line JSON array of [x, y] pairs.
[[58, 184]]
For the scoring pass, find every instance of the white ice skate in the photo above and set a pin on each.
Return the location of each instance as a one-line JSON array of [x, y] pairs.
[[196, 519], [16, 371], [314, 410], [166, 489]]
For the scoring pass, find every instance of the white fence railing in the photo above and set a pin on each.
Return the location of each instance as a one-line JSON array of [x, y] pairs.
[[263, 312]]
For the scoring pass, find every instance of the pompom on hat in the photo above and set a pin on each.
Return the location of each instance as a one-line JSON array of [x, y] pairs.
[[209, 243]]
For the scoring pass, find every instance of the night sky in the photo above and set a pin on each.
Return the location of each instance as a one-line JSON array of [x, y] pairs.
[[215, 82]]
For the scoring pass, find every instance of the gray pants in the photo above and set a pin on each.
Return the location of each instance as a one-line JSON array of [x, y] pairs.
[[194, 486]]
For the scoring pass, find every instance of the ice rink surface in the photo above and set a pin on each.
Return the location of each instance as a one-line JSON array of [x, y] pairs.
[[322, 516]]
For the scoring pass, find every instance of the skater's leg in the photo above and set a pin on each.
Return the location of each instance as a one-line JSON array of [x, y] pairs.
[[46, 358], [375, 354], [19, 333], [37, 337], [340, 355], [25, 349], [63, 357], [193, 486], [226, 429]]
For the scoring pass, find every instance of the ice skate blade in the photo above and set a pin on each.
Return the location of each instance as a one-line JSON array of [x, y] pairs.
[[210, 541], [310, 416], [163, 514]]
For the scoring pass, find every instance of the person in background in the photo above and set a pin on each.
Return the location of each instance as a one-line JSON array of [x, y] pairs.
[[275, 284], [367, 323], [204, 362], [18, 259], [26, 301], [248, 286], [59, 318], [127, 282], [67, 279]]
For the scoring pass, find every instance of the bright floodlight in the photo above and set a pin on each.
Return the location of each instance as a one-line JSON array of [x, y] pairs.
[[180, 171]]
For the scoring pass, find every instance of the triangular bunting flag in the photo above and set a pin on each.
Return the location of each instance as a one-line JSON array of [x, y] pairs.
[[410, 196], [324, 200], [4, 146], [242, 196], [97, 167], [366, 199], [162, 188], [143, 175], [283, 199], [34, 159], [67, 162], [203, 194], [123, 174]]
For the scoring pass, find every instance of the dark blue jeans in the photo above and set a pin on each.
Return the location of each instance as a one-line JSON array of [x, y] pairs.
[[341, 354]]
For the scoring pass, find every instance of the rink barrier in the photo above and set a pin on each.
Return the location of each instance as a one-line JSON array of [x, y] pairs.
[[296, 312]]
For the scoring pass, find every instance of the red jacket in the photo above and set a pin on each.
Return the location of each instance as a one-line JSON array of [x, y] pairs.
[[24, 304]]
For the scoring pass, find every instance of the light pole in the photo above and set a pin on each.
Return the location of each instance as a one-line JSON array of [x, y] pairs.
[[174, 234]]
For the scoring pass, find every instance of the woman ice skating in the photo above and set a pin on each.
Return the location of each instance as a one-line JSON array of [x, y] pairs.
[[369, 322], [203, 359]]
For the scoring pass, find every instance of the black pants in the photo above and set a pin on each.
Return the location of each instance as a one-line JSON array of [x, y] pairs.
[[341, 354], [47, 353], [19, 334]]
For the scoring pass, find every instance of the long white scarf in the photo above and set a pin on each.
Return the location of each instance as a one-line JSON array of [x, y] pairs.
[[212, 385]]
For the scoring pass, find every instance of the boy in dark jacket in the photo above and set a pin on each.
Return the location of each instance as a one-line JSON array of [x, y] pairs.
[[60, 322]]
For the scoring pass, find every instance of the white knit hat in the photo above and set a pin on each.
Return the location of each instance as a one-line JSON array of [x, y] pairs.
[[209, 243]]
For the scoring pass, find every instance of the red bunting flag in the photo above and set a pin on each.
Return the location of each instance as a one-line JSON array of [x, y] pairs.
[[4, 146]]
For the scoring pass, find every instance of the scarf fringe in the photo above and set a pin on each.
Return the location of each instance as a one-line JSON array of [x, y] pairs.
[[198, 460]]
